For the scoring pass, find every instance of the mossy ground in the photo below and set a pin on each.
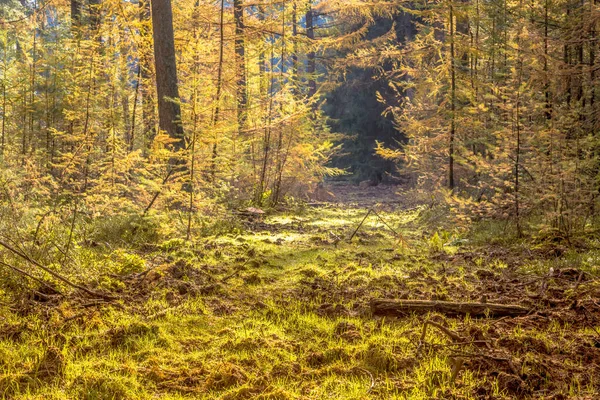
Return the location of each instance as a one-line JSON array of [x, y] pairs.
[[280, 310]]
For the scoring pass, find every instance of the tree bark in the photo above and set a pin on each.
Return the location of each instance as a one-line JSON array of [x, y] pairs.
[[240, 55], [75, 15], [311, 66], [295, 48], [169, 110], [95, 15], [217, 111], [147, 89], [452, 102]]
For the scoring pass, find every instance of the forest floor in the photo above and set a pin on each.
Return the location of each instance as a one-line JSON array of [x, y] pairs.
[[280, 309]]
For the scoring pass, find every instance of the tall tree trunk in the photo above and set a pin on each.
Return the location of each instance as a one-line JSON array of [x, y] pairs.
[[311, 63], [4, 100], [147, 87], [295, 47], [217, 111], [452, 102], [280, 159], [95, 15], [547, 106], [75, 16], [195, 118], [240, 54], [167, 88]]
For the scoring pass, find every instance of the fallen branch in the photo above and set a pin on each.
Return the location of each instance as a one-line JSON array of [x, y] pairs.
[[35, 278], [452, 335], [457, 365], [360, 225], [395, 308], [384, 222], [55, 274]]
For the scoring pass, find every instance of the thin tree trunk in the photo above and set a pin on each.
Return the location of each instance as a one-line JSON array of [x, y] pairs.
[[134, 111], [195, 70], [147, 88], [452, 102], [547, 106], [215, 121], [4, 100], [295, 47], [280, 161], [32, 97], [240, 53], [75, 16], [95, 15], [267, 136], [518, 133], [311, 63]]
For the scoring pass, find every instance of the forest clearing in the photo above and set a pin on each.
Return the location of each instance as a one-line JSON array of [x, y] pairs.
[[299, 199], [280, 308]]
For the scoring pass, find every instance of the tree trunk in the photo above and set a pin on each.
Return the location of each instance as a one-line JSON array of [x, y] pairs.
[[452, 102], [547, 105], [147, 89], [240, 53], [169, 110], [217, 111], [295, 47], [75, 15], [311, 63], [95, 15]]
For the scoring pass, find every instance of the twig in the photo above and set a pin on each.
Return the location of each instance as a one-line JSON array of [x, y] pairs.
[[579, 280], [371, 210], [70, 240], [359, 225], [462, 343], [372, 386], [228, 277], [457, 365], [385, 223], [53, 273], [27, 274], [452, 335], [71, 318], [588, 314]]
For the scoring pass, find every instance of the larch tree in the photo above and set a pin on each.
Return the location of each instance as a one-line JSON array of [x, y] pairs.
[[240, 54], [167, 85]]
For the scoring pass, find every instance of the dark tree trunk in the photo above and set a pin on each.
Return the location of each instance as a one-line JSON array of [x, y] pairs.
[[547, 105], [145, 65], [240, 54], [169, 110], [217, 112], [295, 49], [95, 15], [75, 15], [452, 102], [311, 64]]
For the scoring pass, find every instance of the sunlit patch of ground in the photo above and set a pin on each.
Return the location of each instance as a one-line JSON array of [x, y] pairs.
[[281, 311]]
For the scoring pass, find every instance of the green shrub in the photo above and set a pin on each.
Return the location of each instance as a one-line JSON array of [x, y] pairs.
[[130, 229]]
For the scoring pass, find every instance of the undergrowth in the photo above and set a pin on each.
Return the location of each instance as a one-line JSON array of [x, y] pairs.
[[278, 308]]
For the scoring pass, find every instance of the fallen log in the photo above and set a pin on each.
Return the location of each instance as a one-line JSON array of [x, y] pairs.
[[398, 308]]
